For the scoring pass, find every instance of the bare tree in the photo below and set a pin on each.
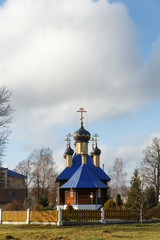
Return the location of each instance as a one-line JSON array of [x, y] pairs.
[[151, 165], [25, 167], [118, 179], [40, 169], [5, 118]]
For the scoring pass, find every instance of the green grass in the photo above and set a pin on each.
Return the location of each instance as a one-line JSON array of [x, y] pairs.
[[84, 232]]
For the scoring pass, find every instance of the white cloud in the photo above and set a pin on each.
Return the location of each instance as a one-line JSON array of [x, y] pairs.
[[55, 53], [59, 55]]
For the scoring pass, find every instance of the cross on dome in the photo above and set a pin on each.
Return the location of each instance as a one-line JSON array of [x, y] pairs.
[[81, 110], [95, 137], [69, 138]]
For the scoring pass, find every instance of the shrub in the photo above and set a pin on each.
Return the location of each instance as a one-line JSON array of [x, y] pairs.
[[42, 200], [15, 205], [158, 205], [69, 207], [110, 204]]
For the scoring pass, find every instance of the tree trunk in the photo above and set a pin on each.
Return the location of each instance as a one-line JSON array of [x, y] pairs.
[[141, 215], [158, 176]]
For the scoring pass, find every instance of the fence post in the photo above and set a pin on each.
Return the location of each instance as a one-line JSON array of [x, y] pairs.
[[60, 222], [0, 216], [28, 216], [102, 215]]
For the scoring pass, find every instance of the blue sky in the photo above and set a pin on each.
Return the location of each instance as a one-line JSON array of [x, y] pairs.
[[145, 15], [58, 56]]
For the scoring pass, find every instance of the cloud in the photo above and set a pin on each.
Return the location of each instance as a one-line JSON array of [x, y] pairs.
[[57, 56], [56, 53]]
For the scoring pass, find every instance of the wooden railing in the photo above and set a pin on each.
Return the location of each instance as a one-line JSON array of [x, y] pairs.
[[81, 215]]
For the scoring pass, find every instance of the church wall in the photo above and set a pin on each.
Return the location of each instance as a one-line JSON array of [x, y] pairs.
[[84, 196], [68, 198]]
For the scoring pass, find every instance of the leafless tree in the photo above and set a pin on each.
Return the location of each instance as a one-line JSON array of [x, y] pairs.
[[25, 167], [118, 179], [40, 169], [5, 118], [151, 165]]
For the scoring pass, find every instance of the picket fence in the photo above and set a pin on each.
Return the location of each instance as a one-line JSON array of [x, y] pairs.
[[58, 217]]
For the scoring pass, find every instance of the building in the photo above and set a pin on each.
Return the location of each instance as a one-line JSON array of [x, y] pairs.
[[83, 183], [12, 187]]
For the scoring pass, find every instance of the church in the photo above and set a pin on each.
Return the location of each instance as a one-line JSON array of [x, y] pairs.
[[83, 183]]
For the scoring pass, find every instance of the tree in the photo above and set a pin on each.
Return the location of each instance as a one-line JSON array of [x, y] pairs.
[[40, 169], [136, 195], [119, 202], [25, 167], [44, 173], [118, 179], [5, 118], [151, 199], [151, 165]]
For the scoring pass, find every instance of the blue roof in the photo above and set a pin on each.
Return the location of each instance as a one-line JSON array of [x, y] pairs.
[[69, 171], [10, 173], [90, 170], [84, 178]]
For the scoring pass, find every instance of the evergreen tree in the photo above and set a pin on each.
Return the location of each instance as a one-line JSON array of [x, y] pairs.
[[151, 197], [119, 202], [135, 195]]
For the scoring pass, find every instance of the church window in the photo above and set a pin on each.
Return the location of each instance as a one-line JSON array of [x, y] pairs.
[[71, 192]]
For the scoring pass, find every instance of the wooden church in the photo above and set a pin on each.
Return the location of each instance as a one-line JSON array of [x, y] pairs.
[[82, 183]]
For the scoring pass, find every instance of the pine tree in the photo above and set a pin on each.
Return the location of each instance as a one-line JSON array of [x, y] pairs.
[[135, 194]]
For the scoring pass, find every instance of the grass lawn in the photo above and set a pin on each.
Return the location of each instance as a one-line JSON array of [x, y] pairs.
[[86, 232]]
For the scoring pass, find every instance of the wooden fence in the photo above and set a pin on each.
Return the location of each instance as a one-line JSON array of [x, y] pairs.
[[43, 216], [29, 216], [81, 215], [75, 215], [14, 216], [121, 214]]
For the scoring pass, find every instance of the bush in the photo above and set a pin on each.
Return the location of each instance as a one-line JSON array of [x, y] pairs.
[[15, 205], [69, 207], [110, 204], [42, 200], [158, 205]]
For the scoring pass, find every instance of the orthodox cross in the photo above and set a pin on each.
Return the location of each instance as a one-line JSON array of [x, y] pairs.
[[69, 138], [81, 110], [95, 136]]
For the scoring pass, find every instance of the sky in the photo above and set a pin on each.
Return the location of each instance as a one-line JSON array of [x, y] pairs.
[[60, 55]]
